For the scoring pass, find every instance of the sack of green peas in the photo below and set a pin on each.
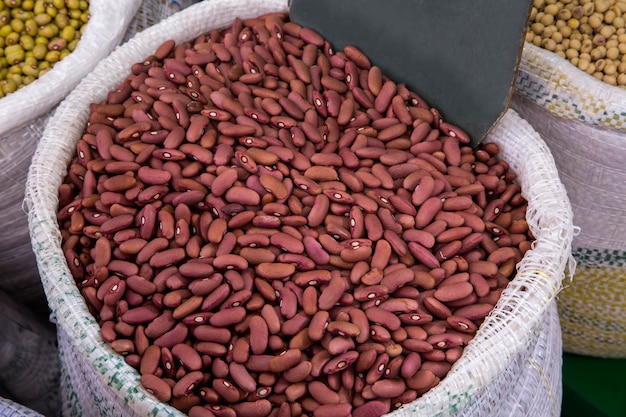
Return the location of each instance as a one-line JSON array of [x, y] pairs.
[[34, 36], [511, 367], [25, 113], [48, 47], [571, 89], [25, 110]]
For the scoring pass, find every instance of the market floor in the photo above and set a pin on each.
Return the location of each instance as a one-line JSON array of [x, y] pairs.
[[593, 387]]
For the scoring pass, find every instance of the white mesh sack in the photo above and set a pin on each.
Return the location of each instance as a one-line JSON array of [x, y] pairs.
[[18, 269], [508, 344], [152, 12], [583, 121], [10, 408], [29, 362]]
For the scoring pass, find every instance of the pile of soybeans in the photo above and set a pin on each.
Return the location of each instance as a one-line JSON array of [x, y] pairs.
[[591, 34]]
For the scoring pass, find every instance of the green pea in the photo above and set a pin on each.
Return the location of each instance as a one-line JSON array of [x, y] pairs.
[[68, 33], [8, 86], [17, 25], [30, 68], [42, 19], [39, 51], [5, 17], [13, 3], [75, 13], [3, 67], [31, 27], [14, 70], [49, 31], [12, 38], [14, 54], [2, 45], [40, 40], [43, 65], [27, 42], [28, 5], [53, 56], [51, 10], [5, 30], [20, 14], [73, 4], [43, 70], [28, 79], [64, 53], [72, 45], [62, 20], [15, 57], [40, 7], [75, 23]]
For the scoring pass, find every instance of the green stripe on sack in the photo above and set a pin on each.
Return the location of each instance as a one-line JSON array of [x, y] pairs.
[[599, 257]]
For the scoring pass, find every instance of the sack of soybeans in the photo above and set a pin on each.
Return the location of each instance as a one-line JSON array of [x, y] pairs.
[[229, 218], [571, 89]]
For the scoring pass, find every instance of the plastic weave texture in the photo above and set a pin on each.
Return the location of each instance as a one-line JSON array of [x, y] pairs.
[[558, 86], [103, 32], [24, 116], [583, 121], [9, 408], [18, 268], [512, 343], [152, 12], [29, 362]]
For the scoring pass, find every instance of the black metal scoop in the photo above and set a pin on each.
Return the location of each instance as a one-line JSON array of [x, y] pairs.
[[461, 56]]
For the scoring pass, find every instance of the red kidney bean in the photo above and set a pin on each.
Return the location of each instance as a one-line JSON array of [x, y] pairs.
[[157, 386]]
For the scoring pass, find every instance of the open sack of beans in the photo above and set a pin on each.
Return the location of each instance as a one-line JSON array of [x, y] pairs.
[[48, 47], [230, 236], [567, 95]]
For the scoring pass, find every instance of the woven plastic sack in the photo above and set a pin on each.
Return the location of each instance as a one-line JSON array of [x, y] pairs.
[[531, 385], [18, 269], [152, 12], [29, 362], [96, 381], [24, 116], [583, 121], [10, 408]]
